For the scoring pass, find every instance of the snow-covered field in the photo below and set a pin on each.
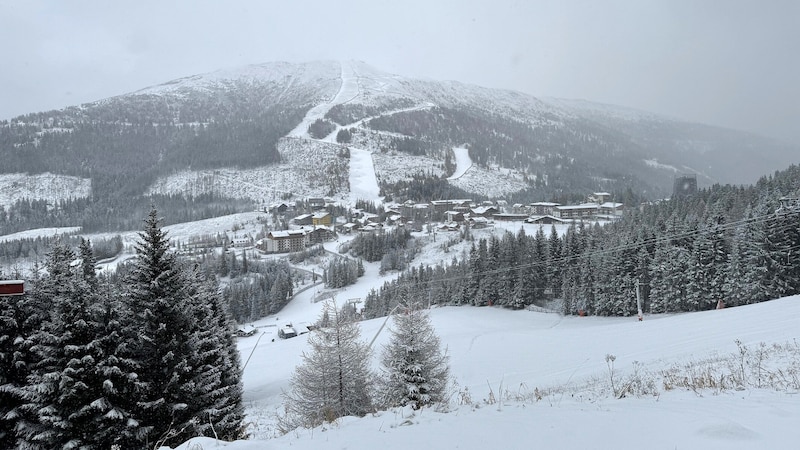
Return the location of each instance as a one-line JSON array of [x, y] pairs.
[[500, 357]]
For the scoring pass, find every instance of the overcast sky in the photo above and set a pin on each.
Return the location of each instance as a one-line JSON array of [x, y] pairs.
[[733, 63]]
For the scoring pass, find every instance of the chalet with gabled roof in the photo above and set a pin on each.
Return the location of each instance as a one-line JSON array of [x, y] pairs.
[[322, 218], [320, 234], [545, 220], [454, 216], [315, 202], [484, 211]]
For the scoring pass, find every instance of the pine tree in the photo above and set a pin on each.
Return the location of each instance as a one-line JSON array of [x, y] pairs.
[[82, 389], [63, 336], [113, 421], [161, 312], [217, 404], [88, 262], [415, 368], [21, 317], [334, 379]]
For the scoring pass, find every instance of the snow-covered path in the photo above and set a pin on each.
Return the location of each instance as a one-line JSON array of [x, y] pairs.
[[363, 182], [348, 90], [463, 163]]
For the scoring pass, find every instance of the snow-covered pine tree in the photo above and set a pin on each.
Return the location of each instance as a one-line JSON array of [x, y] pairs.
[[76, 396], [217, 404], [43, 423], [113, 423], [415, 368], [160, 339], [20, 318], [334, 379], [746, 268], [88, 263], [555, 252], [782, 256], [9, 324]]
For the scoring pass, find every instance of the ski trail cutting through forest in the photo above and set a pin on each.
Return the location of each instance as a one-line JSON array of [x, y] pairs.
[[363, 182], [463, 163], [348, 90]]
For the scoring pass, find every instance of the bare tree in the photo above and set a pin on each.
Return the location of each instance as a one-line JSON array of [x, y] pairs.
[[334, 379]]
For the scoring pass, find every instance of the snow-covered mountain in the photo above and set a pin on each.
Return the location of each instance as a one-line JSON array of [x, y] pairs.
[[282, 130]]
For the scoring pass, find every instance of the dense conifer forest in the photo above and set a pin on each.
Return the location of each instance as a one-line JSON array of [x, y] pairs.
[[734, 244], [140, 359]]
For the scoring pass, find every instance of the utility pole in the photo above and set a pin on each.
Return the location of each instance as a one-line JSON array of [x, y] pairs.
[[639, 301]]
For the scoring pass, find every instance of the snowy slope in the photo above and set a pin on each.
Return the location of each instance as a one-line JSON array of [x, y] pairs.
[[348, 89], [52, 187], [463, 163], [363, 183], [507, 355], [358, 83], [494, 350], [320, 77]]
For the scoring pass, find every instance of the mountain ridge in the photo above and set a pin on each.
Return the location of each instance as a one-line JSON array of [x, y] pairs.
[[240, 119]]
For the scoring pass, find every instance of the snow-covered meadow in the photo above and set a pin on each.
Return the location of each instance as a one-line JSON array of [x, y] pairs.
[[526, 378]]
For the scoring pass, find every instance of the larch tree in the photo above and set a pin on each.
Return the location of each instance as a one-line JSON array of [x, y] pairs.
[[415, 368], [334, 378]]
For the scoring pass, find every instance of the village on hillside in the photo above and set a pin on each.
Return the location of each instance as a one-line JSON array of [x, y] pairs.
[[320, 225]]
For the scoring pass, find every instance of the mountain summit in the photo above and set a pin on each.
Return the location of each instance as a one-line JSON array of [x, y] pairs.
[[281, 130]]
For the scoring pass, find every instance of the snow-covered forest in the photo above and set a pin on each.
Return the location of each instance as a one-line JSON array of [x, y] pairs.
[[727, 243], [144, 358]]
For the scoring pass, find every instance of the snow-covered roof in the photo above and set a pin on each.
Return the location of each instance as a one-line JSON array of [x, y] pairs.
[[534, 219], [286, 234], [483, 209], [451, 202], [581, 206]]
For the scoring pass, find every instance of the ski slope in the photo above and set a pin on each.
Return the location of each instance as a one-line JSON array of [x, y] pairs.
[[363, 182], [348, 89], [463, 163]]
